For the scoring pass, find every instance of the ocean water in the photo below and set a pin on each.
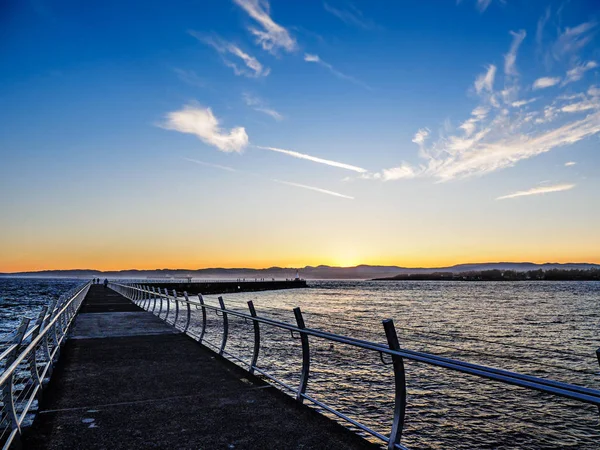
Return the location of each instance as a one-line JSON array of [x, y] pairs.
[[24, 297], [547, 329]]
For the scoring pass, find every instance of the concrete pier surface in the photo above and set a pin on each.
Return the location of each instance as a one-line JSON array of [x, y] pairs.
[[127, 380]]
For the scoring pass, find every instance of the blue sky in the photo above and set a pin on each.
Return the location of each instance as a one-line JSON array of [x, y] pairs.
[[396, 132]]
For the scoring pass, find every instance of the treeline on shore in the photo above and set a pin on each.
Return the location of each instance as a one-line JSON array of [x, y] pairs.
[[504, 275]]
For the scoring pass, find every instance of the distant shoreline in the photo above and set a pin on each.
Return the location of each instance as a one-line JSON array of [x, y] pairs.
[[501, 275]]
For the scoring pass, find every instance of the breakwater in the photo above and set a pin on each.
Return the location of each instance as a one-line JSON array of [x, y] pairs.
[[209, 287]]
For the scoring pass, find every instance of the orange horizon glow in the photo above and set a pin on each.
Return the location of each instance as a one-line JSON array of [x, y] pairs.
[[108, 266]]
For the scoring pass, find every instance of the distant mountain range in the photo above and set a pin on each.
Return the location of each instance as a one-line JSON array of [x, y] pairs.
[[308, 272]]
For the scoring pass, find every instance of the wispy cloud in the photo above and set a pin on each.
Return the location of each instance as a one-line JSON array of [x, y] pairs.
[[541, 24], [190, 77], [316, 59], [272, 36], [545, 82], [201, 122], [351, 16], [538, 191], [404, 171], [485, 81], [573, 39], [253, 69], [570, 163], [577, 72], [502, 130], [316, 189], [259, 105], [327, 162], [511, 57], [480, 5], [520, 103], [216, 166]]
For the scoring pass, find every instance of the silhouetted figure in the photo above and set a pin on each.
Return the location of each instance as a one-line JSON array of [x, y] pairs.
[[106, 282]]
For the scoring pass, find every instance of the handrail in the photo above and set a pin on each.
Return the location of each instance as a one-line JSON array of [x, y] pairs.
[[24, 364], [135, 292]]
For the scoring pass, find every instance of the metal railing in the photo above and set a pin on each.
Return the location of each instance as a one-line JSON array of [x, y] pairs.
[[160, 302], [28, 360]]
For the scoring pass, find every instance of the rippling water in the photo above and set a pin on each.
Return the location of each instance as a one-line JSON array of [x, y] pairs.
[[547, 329], [24, 297]]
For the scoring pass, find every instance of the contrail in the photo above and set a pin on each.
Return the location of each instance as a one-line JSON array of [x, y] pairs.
[[314, 159], [312, 188]]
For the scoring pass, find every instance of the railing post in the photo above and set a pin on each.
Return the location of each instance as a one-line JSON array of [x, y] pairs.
[[189, 311], [176, 308], [400, 385], [161, 302], [168, 304], [256, 337], [7, 389], [153, 299], [225, 326], [201, 300], [33, 355], [48, 335], [305, 356]]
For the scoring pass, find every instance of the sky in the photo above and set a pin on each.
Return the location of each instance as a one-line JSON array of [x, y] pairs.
[[255, 133]]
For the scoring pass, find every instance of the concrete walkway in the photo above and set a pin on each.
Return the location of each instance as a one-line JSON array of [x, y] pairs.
[[127, 380]]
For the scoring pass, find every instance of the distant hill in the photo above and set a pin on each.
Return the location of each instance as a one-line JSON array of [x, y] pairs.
[[308, 272]]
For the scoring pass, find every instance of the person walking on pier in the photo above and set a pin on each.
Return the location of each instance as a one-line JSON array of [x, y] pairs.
[[105, 282]]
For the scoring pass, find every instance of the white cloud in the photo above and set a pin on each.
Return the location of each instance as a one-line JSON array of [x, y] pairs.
[[254, 68], [201, 122], [259, 105], [421, 136], [272, 36], [216, 166], [585, 105], [403, 171], [314, 159], [190, 77], [538, 191], [499, 133], [570, 163], [316, 189], [352, 16], [511, 57], [577, 72], [316, 59], [485, 81], [572, 39], [545, 82], [520, 103]]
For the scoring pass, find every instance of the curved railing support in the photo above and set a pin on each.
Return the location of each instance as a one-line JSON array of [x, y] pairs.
[[256, 337], [153, 299], [8, 387], [400, 385], [176, 307], [201, 300], [305, 356], [168, 304], [189, 311], [225, 326], [35, 375], [160, 299]]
